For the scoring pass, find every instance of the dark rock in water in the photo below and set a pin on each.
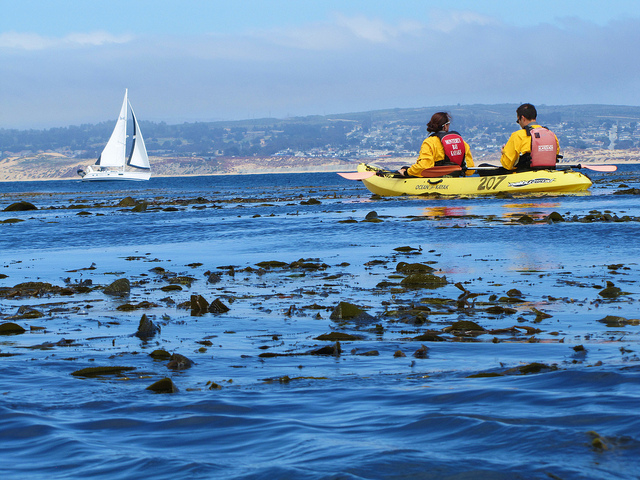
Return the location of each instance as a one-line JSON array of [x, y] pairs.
[[407, 249], [218, 307], [140, 207], [423, 280], [311, 201], [467, 325], [214, 278], [119, 287], [337, 336], [514, 292], [99, 371], [127, 202], [408, 268], [20, 207], [346, 311], [371, 215], [272, 264], [613, 321], [165, 385], [26, 312], [534, 367], [146, 329], [554, 217], [498, 310], [399, 354], [429, 337], [611, 291], [525, 219], [199, 306], [352, 313], [422, 352], [160, 355], [179, 362], [11, 329], [335, 350]]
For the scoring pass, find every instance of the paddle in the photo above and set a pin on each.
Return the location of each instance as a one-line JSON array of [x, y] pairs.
[[595, 168], [356, 175]]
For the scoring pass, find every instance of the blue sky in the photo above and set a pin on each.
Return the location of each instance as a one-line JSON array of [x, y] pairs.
[[68, 62]]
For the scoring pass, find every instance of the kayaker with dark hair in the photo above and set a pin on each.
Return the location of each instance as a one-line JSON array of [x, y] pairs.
[[533, 147], [442, 147]]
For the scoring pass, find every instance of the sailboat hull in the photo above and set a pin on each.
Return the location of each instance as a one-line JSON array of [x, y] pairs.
[[104, 175]]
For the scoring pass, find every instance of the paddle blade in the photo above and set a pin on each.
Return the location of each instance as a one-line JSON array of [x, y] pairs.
[[356, 175], [440, 171], [601, 168]]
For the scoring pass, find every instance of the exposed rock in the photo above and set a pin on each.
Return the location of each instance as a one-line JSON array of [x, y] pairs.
[[9, 328], [146, 329], [614, 321], [413, 268], [179, 362], [554, 217], [165, 385], [335, 350], [611, 291], [20, 207], [422, 352], [127, 202], [199, 306], [119, 287], [423, 280], [218, 307], [337, 336], [525, 219], [160, 355], [99, 371], [26, 312]]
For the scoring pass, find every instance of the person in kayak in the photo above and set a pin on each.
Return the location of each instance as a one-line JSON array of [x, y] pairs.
[[533, 147], [442, 147]]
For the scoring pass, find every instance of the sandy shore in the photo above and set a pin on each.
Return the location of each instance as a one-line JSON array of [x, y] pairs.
[[55, 166]]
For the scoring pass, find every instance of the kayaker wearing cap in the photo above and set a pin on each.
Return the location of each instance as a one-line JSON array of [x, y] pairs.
[[533, 147], [442, 147]]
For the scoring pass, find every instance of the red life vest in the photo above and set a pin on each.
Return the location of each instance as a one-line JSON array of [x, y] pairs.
[[544, 147], [454, 149]]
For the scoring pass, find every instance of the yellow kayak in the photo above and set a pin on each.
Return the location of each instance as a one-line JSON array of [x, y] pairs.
[[539, 181]]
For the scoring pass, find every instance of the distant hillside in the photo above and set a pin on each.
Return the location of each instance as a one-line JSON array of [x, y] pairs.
[[316, 142]]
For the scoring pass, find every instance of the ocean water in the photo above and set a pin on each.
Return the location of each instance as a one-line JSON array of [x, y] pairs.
[[549, 387]]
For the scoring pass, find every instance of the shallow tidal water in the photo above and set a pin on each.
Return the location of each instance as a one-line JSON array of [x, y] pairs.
[[544, 383]]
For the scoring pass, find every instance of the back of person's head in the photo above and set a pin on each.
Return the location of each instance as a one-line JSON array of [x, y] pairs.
[[527, 111], [438, 121]]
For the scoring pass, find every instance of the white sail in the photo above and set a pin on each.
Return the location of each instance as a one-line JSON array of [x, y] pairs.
[[114, 152], [139, 157]]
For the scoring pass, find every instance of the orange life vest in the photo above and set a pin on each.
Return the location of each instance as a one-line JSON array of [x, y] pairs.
[[544, 147]]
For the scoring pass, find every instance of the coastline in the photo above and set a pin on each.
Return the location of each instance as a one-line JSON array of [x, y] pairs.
[[55, 166]]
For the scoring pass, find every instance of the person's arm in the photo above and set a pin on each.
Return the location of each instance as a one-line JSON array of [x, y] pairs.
[[468, 158], [425, 159], [510, 152]]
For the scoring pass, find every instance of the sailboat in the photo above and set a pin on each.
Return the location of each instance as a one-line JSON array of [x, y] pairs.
[[113, 163]]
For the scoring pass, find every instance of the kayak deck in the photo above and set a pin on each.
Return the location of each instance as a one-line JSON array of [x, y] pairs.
[[539, 181]]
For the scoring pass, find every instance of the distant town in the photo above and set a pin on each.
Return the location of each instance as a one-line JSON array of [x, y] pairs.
[[323, 141]]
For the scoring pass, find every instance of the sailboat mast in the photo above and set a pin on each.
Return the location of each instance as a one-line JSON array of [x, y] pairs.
[[126, 109]]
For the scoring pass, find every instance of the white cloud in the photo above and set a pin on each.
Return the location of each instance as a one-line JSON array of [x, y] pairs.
[[32, 41], [449, 20]]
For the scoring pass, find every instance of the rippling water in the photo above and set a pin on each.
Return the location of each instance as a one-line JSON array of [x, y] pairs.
[[555, 397]]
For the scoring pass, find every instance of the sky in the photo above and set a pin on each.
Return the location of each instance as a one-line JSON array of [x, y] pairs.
[[68, 62]]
